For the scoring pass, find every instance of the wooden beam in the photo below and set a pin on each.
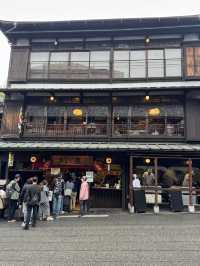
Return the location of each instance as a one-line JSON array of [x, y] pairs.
[[156, 180], [190, 181], [130, 180]]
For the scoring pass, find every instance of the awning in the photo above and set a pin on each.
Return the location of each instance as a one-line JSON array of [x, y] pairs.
[[98, 146]]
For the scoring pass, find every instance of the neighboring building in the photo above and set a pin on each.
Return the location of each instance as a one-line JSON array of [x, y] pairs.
[[84, 94]]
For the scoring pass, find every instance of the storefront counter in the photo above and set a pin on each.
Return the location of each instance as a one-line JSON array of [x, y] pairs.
[[102, 197]]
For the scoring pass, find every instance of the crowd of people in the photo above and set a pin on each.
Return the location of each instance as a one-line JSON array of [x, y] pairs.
[[43, 201]]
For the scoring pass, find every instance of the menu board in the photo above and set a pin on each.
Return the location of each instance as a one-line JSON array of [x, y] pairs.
[[90, 176], [55, 171]]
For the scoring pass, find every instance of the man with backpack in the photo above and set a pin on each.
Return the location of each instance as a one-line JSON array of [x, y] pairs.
[[12, 194], [32, 199]]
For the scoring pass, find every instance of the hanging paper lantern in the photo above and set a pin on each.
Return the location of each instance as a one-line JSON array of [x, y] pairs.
[[154, 111], [77, 112]]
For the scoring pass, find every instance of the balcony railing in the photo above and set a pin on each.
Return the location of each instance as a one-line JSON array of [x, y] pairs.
[[103, 130], [69, 130]]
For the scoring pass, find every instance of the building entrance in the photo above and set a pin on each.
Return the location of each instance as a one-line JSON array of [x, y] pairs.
[[104, 174]]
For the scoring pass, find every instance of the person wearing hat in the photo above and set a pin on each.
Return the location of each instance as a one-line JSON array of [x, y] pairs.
[[84, 196], [13, 193]]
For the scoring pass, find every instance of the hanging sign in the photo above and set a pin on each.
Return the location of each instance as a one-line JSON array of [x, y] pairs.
[[108, 161], [10, 159], [55, 171]]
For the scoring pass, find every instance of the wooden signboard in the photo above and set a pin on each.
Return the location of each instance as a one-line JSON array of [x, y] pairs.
[[62, 160]]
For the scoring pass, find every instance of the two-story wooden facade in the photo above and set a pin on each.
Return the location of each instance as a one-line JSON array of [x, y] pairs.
[[81, 92]]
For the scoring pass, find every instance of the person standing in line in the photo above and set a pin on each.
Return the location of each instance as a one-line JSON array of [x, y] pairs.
[[84, 196], [69, 185], [58, 192], [13, 193], [2, 201], [23, 200], [136, 181], [74, 193], [44, 207], [32, 199]]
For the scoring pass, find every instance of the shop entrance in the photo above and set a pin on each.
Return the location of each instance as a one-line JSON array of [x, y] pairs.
[[160, 177], [106, 178]]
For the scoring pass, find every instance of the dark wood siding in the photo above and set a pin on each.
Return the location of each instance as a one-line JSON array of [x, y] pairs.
[[193, 117], [10, 120], [18, 64]]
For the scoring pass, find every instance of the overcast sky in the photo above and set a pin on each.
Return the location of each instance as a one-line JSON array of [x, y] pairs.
[[21, 10]]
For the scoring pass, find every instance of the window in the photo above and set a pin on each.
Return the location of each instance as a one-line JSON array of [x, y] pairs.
[[121, 64], [58, 64], [173, 62], [160, 116], [192, 61], [39, 64], [137, 64], [140, 64], [100, 64], [55, 115], [79, 65], [155, 63]]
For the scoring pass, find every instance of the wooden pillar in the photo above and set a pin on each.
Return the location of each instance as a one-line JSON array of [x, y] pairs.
[[130, 180], [156, 180], [190, 181]]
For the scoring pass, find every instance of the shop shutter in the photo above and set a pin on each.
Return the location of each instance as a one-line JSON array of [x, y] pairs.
[[18, 64]]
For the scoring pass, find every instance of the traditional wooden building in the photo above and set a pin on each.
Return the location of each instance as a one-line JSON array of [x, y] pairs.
[[102, 96]]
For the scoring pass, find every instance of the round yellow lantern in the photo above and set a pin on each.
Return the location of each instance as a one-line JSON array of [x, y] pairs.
[[147, 160], [77, 112], [154, 111]]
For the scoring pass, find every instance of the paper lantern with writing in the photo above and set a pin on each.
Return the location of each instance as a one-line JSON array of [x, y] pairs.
[[77, 112], [154, 112]]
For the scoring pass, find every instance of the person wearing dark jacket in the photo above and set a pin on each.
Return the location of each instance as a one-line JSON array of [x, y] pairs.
[[23, 200], [32, 198]]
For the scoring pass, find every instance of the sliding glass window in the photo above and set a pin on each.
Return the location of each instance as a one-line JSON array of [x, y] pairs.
[[121, 64], [152, 63], [79, 64], [39, 65], [173, 62], [155, 63], [137, 64], [100, 64], [58, 65]]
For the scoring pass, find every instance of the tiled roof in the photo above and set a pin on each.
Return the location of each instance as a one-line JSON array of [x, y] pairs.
[[112, 146]]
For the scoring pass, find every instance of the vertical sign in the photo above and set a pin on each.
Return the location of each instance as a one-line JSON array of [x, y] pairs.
[[10, 159]]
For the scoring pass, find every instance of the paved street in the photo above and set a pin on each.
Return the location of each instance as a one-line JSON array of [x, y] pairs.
[[120, 239]]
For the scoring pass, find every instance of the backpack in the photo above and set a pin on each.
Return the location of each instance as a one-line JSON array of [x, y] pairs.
[[58, 188], [56, 192], [9, 189], [33, 201]]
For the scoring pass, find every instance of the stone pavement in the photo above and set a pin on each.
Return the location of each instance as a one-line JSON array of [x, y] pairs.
[[119, 239]]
